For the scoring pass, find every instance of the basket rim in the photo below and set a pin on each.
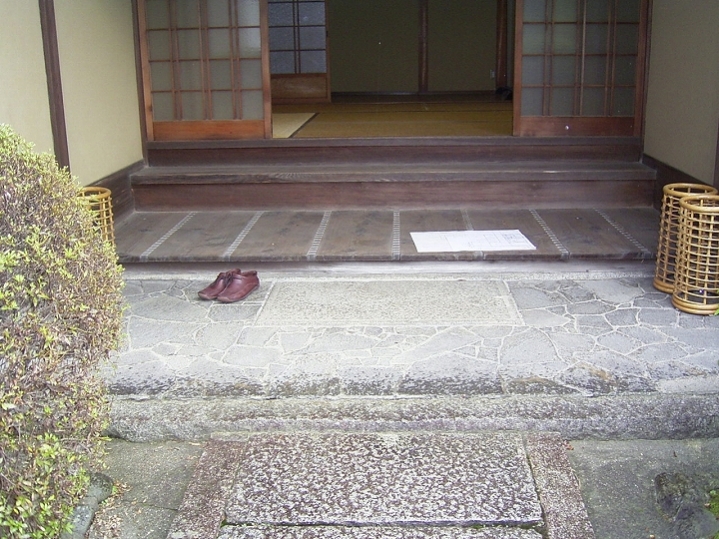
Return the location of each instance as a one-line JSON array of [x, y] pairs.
[[93, 189], [676, 189], [693, 203]]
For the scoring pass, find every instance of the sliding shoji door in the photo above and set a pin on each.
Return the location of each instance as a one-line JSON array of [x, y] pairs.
[[205, 69], [580, 67], [298, 51]]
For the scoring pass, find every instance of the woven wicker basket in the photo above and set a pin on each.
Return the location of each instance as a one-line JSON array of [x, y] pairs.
[[99, 201], [696, 280], [669, 230]]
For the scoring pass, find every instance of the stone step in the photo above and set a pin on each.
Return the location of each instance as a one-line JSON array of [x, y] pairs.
[[374, 532], [383, 484]]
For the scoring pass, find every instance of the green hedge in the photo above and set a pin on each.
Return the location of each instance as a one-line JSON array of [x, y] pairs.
[[60, 316]]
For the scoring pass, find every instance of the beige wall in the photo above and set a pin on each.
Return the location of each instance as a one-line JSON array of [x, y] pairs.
[[374, 46], [682, 113], [23, 85], [462, 44], [97, 64]]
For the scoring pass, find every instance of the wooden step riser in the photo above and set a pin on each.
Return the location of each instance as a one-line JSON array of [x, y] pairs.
[[425, 194], [179, 175], [391, 151]]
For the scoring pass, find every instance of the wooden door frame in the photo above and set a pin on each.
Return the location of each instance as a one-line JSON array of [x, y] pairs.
[[423, 47], [500, 75]]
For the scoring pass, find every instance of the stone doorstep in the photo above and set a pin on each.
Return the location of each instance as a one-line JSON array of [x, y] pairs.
[[375, 532], [409, 485]]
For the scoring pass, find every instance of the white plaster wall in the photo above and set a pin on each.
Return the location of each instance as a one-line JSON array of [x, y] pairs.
[[23, 86], [97, 64], [682, 115]]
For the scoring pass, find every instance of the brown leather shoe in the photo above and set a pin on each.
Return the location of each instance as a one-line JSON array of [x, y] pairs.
[[239, 287], [216, 288]]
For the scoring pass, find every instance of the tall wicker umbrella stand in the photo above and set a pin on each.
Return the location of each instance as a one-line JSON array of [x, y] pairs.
[[99, 201], [669, 230], [696, 280]]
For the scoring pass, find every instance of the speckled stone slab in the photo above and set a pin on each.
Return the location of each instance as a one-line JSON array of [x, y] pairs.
[[374, 532], [384, 479], [558, 487], [385, 302], [200, 513]]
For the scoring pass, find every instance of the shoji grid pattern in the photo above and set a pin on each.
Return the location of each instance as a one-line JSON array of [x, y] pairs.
[[298, 36], [579, 57], [205, 59]]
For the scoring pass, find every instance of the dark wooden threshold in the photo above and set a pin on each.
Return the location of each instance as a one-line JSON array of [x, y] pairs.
[[568, 142], [404, 97], [392, 150]]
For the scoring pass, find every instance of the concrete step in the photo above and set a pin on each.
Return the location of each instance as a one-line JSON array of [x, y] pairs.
[[478, 485]]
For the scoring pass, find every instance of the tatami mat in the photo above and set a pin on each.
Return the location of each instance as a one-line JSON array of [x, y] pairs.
[[401, 119], [379, 234], [284, 125]]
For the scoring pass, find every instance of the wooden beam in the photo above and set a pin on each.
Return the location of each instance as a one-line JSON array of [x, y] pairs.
[[517, 78], [142, 97], [54, 83], [502, 62], [716, 165], [423, 47]]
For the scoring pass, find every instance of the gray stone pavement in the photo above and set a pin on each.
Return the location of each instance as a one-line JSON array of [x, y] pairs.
[[364, 353], [415, 331], [617, 478]]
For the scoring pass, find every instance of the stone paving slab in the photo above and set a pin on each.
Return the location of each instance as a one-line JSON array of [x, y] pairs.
[[420, 485], [558, 487], [397, 302], [384, 478], [373, 532], [201, 513]]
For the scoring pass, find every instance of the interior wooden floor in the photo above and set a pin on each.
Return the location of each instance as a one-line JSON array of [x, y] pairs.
[[349, 235], [395, 116]]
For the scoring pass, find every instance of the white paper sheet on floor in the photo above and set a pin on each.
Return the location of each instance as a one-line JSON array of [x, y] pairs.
[[452, 241]]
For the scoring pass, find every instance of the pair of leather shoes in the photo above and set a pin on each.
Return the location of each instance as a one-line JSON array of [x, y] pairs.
[[231, 286]]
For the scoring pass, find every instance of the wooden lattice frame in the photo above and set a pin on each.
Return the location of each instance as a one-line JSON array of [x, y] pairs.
[[669, 231], [696, 282]]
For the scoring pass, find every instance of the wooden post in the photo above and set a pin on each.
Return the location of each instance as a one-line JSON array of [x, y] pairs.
[[54, 83], [423, 50], [501, 73]]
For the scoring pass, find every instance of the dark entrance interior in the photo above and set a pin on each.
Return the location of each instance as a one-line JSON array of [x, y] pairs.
[[345, 69], [412, 46]]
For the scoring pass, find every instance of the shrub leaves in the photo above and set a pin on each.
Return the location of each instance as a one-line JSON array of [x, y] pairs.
[[60, 316]]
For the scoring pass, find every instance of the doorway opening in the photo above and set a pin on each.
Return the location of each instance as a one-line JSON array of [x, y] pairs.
[[216, 69], [407, 68]]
